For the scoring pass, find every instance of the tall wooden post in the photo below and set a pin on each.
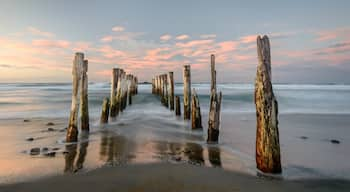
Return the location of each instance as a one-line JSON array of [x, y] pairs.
[[177, 106], [166, 94], [84, 107], [215, 107], [171, 90], [187, 91], [153, 86], [105, 110], [114, 88], [196, 112], [72, 131], [268, 158]]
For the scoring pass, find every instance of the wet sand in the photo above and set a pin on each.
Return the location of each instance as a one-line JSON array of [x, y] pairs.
[[169, 177]]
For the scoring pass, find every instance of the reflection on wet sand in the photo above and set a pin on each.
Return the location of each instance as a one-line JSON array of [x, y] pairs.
[[114, 148], [214, 156], [70, 156], [194, 152]]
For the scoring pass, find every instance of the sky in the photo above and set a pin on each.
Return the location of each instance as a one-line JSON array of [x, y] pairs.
[[310, 42]]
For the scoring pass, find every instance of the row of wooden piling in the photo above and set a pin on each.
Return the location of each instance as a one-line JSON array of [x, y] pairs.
[[123, 87]]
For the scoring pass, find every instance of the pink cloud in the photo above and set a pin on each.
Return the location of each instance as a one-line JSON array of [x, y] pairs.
[[228, 46], [107, 39], [118, 28], [182, 37], [110, 52], [165, 37], [51, 43], [248, 39], [195, 43]]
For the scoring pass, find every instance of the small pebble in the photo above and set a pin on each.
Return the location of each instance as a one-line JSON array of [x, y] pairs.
[[50, 154], [35, 151], [26, 120], [304, 137], [55, 149], [334, 141], [50, 129], [45, 149], [30, 139], [50, 124]]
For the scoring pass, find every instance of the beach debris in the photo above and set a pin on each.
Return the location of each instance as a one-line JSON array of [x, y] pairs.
[[196, 111], [215, 106], [35, 151], [50, 129], [178, 106], [187, 91], [105, 110], [334, 141], [268, 158], [80, 80], [26, 120], [171, 90], [30, 139], [50, 124]]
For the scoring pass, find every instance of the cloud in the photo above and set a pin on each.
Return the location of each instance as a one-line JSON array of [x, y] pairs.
[[107, 39], [327, 35], [118, 29], [38, 32], [195, 43], [182, 37], [165, 37], [208, 36], [51, 43]]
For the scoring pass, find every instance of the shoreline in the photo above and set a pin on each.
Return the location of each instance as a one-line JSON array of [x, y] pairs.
[[170, 177]]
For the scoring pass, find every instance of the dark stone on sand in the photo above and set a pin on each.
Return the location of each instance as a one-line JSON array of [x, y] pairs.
[[50, 124], [45, 149], [50, 154], [55, 149], [304, 137], [30, 139], [35, 151], [65, 152], [26, 120], [334, 141], [50, 129]]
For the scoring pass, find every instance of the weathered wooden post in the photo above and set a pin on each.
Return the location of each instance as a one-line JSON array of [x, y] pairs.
[[215, 107], [177, 106], [84, 107], [196, 112], [137, 86], [171, 90], [72, 131], [166, 95], [105, 110], [268, 158], [130, 89], [153, 86], [162, 89], [114, 88], [187, 91]]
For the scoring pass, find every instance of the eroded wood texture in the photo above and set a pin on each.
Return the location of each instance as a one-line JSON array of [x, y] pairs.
[[72, 131], [214, 108], [84, 102], [196, 112], [105, 110], [114, 88], [268, 158], [171, 90], [187, 91], [177, 106]]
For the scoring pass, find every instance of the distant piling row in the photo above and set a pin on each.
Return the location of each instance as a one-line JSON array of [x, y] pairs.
[[79, 98], [123, 87]]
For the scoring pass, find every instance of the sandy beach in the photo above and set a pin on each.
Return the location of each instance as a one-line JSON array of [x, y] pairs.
[[170, 177]]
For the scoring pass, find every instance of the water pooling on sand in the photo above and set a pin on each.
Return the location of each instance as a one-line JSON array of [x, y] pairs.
[[311, 115]]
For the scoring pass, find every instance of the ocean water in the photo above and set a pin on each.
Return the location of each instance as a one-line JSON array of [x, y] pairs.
[[54, 99], [310, 117]]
